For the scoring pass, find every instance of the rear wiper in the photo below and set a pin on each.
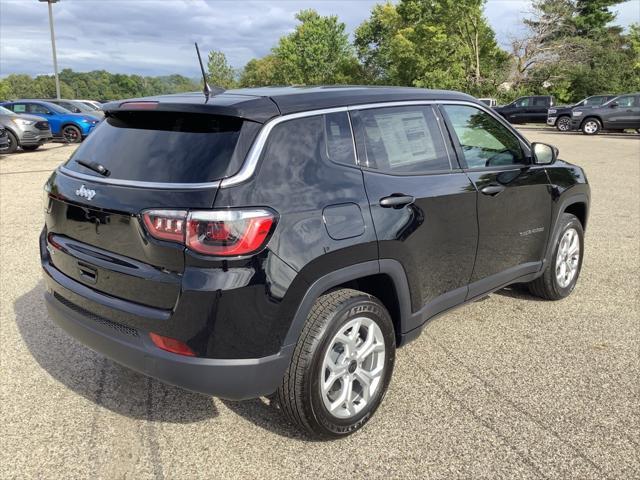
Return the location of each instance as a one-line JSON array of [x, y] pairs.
[[95, 166]]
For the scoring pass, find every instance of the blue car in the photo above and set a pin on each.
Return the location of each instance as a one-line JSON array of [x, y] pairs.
[[71, 127]]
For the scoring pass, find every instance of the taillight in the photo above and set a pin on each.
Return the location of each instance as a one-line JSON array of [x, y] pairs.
[[171, 345], [213, 232], [166, 224]]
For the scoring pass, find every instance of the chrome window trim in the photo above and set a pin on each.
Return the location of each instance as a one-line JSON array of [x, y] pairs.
[[251, 162], [253, 157]]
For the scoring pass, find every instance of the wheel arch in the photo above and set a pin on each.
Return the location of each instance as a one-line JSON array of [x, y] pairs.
[[385, 279], [12, 131], [579, 203]]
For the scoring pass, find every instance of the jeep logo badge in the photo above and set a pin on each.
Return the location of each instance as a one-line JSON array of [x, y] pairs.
[[85, 192]]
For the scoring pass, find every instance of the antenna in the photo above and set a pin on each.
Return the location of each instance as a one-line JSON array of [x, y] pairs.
[[206, 89]]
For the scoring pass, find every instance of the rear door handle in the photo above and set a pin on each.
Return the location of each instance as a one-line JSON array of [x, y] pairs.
[[397, 200], [492, 190]]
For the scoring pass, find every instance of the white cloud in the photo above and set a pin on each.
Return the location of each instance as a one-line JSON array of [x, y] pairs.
[[155, 37]]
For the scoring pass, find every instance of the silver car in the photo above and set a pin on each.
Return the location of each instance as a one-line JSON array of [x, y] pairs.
[[76, 106], [23, 130]]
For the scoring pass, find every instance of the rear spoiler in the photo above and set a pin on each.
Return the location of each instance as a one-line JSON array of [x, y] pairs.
[[255, 109]]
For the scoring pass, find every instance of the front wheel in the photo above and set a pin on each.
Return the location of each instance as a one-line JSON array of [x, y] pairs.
[[341, 366], [563, 268], [591, 126], [13, 143], [563, 124], [72, 134]]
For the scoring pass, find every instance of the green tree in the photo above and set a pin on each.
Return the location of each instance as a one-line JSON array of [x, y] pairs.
[[221, 74], [593, 16], [316, 52], [435, 44], [263, 71]]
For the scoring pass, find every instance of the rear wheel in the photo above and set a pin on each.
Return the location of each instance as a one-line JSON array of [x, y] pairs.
[[72, 134], [563, 268], [591, 126], [563, 124], [30, 148], [341, 366], [13, 143]]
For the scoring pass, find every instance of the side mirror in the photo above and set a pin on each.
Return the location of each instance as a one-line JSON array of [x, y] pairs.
[[613, 104], [544, 154]]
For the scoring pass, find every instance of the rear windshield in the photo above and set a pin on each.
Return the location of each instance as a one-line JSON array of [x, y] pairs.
[[165, 147]]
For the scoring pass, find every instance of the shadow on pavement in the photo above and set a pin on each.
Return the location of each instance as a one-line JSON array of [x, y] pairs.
[[265, 414], [98, 379], [519, 292]]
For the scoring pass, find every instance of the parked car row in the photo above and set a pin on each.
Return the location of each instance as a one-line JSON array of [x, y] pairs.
[[31, 123], [591, 115]]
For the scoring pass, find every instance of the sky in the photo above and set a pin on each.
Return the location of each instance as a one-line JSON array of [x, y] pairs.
[[155, 37]]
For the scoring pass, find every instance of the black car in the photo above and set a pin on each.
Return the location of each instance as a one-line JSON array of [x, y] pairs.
[[288, 240], [560, 116], [531, 109], [616, 115], [4, 139]]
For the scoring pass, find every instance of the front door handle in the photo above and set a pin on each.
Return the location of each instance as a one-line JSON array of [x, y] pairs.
[[397, 200], [493, 190]]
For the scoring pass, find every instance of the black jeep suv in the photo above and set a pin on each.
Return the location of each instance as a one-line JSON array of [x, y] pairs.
[[289, 239]]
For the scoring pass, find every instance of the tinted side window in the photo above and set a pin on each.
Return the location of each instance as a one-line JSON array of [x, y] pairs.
[[485, 142], [626, 101], [540, 102], [403, 140], [35, 108], [339, 140], [523, 102]]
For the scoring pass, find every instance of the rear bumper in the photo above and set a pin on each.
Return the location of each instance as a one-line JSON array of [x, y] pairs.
[[233, 379], [551, 121]]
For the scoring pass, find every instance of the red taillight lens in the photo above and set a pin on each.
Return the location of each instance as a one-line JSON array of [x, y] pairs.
[[166, 224], [228, 232], [213, 232], [171, 345]]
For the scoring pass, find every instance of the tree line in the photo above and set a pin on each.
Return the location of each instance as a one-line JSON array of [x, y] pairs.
[[566, 48]]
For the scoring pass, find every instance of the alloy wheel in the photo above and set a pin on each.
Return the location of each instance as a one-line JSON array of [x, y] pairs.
[[564, 124], [591, 126], [568, 258], [353, 367]]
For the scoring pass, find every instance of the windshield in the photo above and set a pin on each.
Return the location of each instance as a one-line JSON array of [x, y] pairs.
[[82, 107], [6, 111], [165, 147], [56, 108], [89, 105]]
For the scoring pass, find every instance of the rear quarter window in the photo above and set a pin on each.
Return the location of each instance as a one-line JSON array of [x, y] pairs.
[[166, 147]]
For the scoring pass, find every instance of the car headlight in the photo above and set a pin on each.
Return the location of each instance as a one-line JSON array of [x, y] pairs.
[[552, 111], [576, 114], [23, 122]]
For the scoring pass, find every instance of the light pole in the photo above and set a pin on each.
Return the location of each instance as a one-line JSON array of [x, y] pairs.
[[53, 46]]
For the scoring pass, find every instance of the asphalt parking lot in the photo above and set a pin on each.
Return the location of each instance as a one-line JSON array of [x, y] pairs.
[[507, 387]]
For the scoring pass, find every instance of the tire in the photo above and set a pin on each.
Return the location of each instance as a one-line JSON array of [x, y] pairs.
[[591, 126], [71, 134], [300, 395], [30, 148], [553, 284], [563, 123], [13, 143]]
